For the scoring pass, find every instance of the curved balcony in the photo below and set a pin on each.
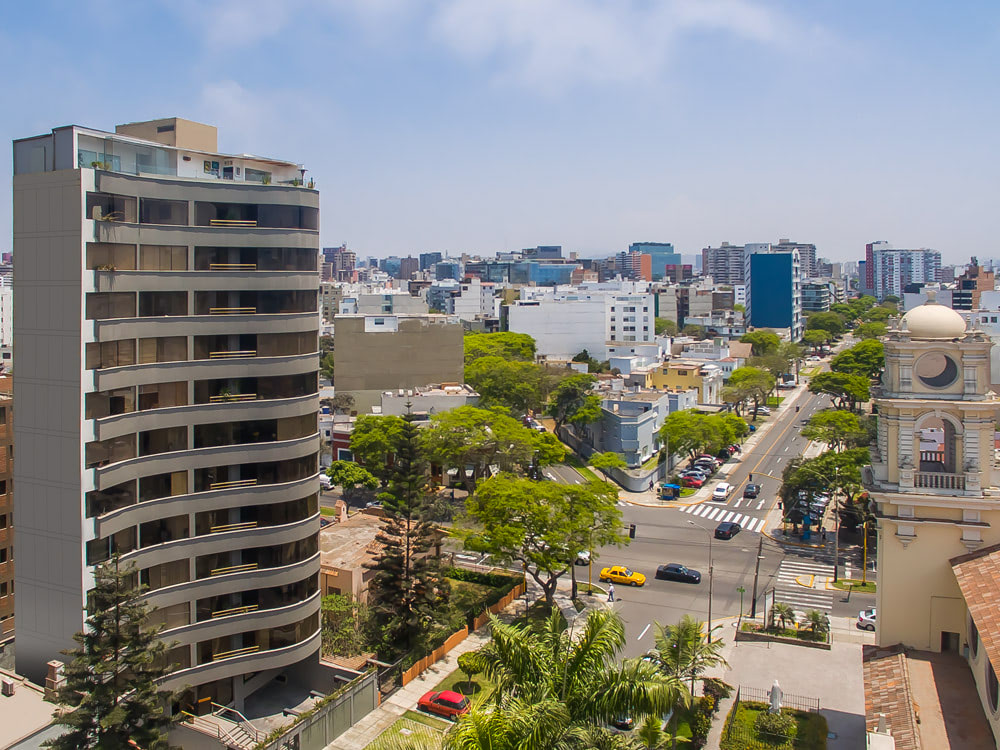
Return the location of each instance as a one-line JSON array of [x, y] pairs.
[[258, 619], [230, 279], [195, 546], [240, 665], [196, 502], [201, 458], [180, 416], [111, 329], [166, 234], [229, 583]]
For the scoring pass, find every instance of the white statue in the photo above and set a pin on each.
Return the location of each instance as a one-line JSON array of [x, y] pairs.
[[775, 698]]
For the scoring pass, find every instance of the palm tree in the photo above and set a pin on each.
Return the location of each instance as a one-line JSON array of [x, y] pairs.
[[580, 672], [817, 621], [651, 734], [783, 613], [511, 724]]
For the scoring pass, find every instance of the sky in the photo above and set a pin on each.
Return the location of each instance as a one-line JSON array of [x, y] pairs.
[[484, 125]]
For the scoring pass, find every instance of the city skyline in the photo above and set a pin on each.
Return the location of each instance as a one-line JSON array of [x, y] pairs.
[[480, 126]]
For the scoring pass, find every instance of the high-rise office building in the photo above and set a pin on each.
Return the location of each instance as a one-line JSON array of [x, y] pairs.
[[662, 254], [429, 260], [807, 255], [774, 289], [408, 266], [167, 334], [724, 264]]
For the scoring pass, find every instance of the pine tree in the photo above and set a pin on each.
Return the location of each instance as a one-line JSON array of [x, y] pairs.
[[111, 678], [408, 584]]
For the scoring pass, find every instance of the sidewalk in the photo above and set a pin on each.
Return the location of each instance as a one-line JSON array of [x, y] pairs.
[[834, 677]]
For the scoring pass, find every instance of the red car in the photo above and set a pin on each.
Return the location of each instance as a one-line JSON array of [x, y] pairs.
[[446, 703], [692, 482]]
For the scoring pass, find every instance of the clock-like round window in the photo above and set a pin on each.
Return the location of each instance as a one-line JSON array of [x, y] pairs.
[[936, 370]]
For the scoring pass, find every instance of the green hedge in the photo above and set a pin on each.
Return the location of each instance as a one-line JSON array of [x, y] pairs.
[[500, 583]]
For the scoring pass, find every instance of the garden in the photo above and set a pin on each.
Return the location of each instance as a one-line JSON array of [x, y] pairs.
[[750, 726]]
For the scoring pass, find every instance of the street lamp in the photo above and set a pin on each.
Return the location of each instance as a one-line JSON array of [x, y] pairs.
[[711, 572]]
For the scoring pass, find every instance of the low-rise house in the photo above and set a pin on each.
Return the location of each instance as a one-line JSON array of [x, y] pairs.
[[630, 422], [428, 401], [346, 548], [685, 374]]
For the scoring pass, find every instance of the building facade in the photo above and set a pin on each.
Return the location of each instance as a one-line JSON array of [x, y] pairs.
[[817, 296], [6, 510], [662, 254], [725, 264], [890, 270], [774, 291], [166, 310]]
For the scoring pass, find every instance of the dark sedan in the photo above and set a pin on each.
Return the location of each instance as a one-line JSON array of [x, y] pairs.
[[677, 572], [727, 530], [751, 490]]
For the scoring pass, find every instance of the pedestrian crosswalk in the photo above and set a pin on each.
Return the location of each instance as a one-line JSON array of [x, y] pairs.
[[788, 589], [722, 513]]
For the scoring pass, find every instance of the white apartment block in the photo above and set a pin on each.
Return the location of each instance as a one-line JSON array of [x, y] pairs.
[[894, 269], [166, 329], [475, 299]]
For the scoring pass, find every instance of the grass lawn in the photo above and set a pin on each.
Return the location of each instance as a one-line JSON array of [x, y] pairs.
[[811, 734], [774, 400], [457, 681], [687, 491], [810, 372], [575, 461], [324, 511], [469, 589], [414, 727], [652, 462], [854, 585]]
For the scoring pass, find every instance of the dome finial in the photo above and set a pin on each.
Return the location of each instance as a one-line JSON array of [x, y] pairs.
[[931, 296]]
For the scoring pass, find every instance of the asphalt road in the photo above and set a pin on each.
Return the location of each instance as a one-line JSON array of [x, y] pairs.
[[684, 535]]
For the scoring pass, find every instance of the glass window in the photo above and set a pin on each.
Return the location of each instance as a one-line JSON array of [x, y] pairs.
[[110, 305], [110, 354], [109, 207], [163, 485], [110, 256], [100, 502], [973, 637], [162, 395], [992, 689], [104, 452], [164, 440], [154, 304], [159, 211], [163, 349], [102, 404], [163, 257]]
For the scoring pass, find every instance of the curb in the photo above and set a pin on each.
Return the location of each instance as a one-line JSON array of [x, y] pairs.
[[793, 544]]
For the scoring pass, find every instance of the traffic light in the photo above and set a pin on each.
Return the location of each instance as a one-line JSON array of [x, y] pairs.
[[750, 477], [631, 531]]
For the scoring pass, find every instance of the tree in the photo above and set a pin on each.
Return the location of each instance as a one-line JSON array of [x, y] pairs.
[[407, 586], [326, 366], [865, 359], [694, 331], [517, 346], [827, 321], [873, 330], [112, 674], [664, 327], [542, 526], [816, 338], [878, 314], [783, 613], [374, 440], [581, 671], [847, 390], [761, 342], [838, 429], [606, 461], [478, 438], [349, 476], [340, 402], [754, 383], [516, 385], [470, 666], [593, 365], [691, 432], [344, 622], [817, 621], [509, 723], [892, 299], [571, 401], [844, 310], [830, 472], [862, 304], [739, 308]]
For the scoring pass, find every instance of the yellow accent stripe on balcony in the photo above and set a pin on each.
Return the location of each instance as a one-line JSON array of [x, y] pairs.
[[232, 266], [232, 397], [237, 652], [233, 526], [235, 611], [232, 311], [234, 569], [232, 222], [236, 353], [233, 484]]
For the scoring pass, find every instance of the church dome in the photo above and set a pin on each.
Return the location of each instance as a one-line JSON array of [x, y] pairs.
[[933, 321]]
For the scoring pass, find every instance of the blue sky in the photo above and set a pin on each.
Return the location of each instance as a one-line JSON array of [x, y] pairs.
[[484, 125]]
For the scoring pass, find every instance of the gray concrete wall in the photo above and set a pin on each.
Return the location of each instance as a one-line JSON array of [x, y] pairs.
[[48, 311]]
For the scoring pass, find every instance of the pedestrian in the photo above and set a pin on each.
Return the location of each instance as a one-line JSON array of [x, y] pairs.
[[611, 592], [650, 485], [824, 536]]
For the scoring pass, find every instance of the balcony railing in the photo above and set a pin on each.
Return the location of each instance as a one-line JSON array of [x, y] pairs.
[[233, 527], [932, 480], [233, 569], [233, 354], [224, 397], [232, 222], [232, 266], [235, 484], [232, 311], [235, 652], [235, 611]]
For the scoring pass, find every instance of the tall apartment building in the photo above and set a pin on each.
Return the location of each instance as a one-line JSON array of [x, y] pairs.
[[429, 260], [724, 264], [774, 289], [408, 266], [970, 286], [166, 320], [6, 511], [889, 270], [343, 262], [807, 255]]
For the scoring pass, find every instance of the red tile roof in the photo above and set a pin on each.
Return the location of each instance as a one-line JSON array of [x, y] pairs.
[[887, 691]]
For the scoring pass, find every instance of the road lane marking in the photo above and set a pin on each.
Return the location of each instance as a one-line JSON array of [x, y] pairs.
[[760, 504], [644, 631], [728, 517], [737, 504], [711, 516]]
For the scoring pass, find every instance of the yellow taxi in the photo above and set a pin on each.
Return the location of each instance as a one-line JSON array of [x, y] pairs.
[[621, 574]]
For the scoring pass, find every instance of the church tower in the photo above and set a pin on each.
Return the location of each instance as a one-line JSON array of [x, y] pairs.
[[933, 476]]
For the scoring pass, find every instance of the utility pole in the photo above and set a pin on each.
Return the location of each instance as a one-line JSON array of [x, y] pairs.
[[756, 575], [836, 528]]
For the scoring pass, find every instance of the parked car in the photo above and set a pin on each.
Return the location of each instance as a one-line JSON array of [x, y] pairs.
[[325, 483], [814, 358], [446, 703], [866, 619], [707, 466], [751, 490], [722, 490], [678, 572], [622, 724], [763, 410], [621, 574], [786, 386], [583, 558], [727, 530], [694, 482]]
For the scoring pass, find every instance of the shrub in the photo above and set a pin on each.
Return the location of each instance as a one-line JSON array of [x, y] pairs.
[[775, 725], [716, 688], [700, 723]]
